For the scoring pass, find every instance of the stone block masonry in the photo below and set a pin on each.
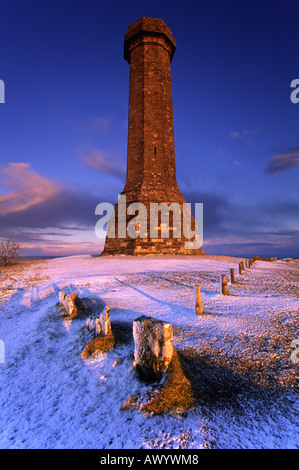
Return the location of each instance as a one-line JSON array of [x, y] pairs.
[[151, 176]]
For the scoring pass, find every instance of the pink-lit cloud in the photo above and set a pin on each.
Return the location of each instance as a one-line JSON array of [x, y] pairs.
[[104, 162], [45, 217], [283, 161], [27, 187]]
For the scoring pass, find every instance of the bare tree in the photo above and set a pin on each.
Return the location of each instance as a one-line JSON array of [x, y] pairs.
[[9, 252]]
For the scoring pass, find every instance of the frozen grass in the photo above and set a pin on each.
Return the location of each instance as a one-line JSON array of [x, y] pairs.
[[236, 358], [174, 395]]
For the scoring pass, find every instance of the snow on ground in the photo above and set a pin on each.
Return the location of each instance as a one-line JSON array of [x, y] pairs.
[[237, 356]]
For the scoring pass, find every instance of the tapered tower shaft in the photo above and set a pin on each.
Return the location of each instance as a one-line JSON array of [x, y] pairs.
[[151, 176], [149, 48]]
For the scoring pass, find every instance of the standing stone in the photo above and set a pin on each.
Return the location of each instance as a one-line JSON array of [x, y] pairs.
[[104, 322], [103, 339], [224, 285], [151, 176], [61, 296], [198, 301], [153, 347], [100, 325], [68, 304]]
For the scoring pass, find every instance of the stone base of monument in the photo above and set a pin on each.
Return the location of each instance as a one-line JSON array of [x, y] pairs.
[[100, 326]]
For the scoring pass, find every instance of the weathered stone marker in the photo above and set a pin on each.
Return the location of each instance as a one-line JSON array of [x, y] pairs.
[[103, 339], [68, 304], [241, 267], [198, 301], [153, 347], [224, 285], [100, 325], [232, 275]]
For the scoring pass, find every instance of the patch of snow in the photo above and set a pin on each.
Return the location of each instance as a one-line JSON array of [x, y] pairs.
[[239, 353]]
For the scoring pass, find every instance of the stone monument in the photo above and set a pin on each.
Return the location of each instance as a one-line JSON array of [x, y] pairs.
[[151, 175]]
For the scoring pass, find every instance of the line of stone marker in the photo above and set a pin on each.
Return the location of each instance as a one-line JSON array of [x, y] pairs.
[[248, 264], [241, 267], [224, 290], [198, 301]]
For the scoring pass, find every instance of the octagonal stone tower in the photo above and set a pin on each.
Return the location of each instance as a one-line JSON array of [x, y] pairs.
[[151, 176]]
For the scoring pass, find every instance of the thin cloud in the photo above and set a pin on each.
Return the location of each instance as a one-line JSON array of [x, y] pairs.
[[101, 123], [38, 202], [104, 162], [235, 134], [244, 133], [73, 227], [283, 161], [95, 126], [27, 187], [98, 125], [249, 132], [281, 233]]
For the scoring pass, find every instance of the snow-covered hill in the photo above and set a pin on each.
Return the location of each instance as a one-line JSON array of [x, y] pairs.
[[239, 356]]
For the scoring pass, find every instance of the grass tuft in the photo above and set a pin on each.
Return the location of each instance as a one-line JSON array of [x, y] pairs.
[[100, 344], [175, 395]]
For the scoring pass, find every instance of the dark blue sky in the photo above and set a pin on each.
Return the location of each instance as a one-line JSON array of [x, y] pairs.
[[63, 126]]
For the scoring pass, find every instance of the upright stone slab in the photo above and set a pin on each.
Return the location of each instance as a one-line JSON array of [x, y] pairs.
[[153, 347], [151, 175], [100, 325], [68, 304], [198, 301], [223, 279]]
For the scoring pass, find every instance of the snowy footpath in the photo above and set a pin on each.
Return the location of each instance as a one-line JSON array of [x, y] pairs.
[[240, 356]]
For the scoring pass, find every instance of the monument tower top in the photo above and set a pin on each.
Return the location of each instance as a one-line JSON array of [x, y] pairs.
[[149, 27]]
